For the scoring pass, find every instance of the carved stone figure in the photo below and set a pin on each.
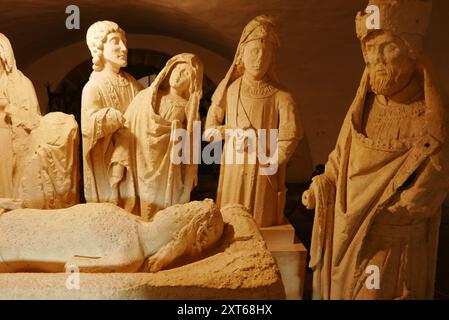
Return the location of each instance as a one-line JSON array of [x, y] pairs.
[[20, 113], [7, 167], [105, 238], [171, 103], [105, 99], [378, 204], [40, 159], [250, 98], [51, 171]]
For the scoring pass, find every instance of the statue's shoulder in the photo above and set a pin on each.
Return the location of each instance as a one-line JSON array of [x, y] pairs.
[[92, 85], [26, 81], [234, 86], [283, 95], [129, 77]]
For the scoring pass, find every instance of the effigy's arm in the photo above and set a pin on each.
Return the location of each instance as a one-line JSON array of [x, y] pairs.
[[112, 263]]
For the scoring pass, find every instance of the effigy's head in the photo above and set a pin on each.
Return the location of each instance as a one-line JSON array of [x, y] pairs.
[[205, 224], [257, 48], [198, 225], [392, 33], [107, 44]]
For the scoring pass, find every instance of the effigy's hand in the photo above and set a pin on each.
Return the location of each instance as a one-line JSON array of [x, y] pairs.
[[308, 199], [113, 121]]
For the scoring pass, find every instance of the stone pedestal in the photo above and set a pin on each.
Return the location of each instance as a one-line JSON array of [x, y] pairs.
[[290, 255]]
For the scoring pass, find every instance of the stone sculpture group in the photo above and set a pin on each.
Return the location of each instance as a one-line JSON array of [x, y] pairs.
[[378, 202]]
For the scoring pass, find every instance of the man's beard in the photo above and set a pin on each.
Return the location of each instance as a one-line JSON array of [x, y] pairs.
[[391, 80]]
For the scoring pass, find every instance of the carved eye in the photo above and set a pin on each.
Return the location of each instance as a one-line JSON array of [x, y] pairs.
[[391, 49]]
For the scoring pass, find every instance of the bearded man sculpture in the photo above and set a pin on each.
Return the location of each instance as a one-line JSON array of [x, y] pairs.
[[378, 204]]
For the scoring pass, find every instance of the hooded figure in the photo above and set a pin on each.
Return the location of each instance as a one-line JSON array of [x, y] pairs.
[[39, 167], [170, 103], [249, 98], [378, 204], [20, 115]]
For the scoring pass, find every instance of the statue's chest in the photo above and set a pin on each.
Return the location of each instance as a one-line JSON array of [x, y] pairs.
[[244, 111]]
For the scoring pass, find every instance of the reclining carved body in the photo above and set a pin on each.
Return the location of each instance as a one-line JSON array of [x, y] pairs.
[[105, 238]]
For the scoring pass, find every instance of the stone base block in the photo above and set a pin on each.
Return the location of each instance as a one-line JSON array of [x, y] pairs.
[[291, 257]]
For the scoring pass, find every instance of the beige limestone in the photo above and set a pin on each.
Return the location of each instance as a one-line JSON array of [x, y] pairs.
[[238, 267], [105, 99], [250, 98], [378, 204], [105, 238], [40, 159], [154, 119], [291, 258]]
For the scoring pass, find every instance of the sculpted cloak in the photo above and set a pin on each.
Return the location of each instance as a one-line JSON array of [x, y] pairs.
[[379, 204], [105, 99], [21, 116], [159, 182], [258, 105]]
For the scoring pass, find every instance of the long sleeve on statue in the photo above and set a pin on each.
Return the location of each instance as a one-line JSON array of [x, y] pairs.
[[98, 121], [290, 128]]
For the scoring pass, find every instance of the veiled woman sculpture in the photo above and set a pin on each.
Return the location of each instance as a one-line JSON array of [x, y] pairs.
[[20, 114], [170, 103], [39, 165]]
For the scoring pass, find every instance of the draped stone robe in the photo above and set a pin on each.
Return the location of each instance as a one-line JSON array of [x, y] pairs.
[[265, 107], [100, 126], [20, 117], [159, 183], [379, 202]]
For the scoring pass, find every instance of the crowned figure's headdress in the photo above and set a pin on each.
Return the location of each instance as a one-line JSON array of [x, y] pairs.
[[407, 19]]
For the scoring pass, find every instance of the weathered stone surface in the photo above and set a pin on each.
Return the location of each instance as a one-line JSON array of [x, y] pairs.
[[240, 267]]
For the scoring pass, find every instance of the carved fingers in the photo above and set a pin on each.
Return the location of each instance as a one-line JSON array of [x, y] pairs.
[[308, 199]]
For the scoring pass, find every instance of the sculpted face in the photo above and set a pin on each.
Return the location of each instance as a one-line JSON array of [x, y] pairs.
[[180, 77], [115, 51], [256, 58], [389, 64]]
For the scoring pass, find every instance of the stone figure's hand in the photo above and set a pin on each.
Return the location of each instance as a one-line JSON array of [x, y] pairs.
[[308, 199], [117, 118]]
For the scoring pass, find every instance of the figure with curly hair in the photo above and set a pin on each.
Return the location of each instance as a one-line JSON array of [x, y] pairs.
[[105, 99]]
